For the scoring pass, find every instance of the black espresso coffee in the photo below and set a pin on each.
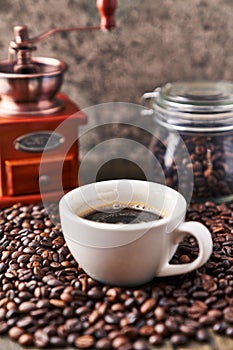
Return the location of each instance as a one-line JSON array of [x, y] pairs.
[[117, 214]]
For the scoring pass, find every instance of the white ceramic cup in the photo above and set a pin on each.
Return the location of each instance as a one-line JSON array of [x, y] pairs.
[[130, 254]]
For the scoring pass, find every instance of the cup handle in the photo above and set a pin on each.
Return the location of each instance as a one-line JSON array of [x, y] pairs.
[[204, 239]]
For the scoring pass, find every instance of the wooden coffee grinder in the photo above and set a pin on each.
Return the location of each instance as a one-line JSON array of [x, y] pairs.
[[31, 108]]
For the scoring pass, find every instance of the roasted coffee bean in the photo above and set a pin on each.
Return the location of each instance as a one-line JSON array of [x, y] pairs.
[[141, 345], [179, 339], [57, 341], [104, 344], [130, 332], [95, 293], [188, 329], [119, 341], [220, 327], [111, 319], [93, 317], [3, 327], [73, 324], [202, 335], [159, 313], [38, 312], [147, 306], [15, 332], [228, 314], [99, 332], [156, 340], [25, 322], [229, 331], [53, 282], [112, 293], [12, 321], [146, 330], [160, 328], [3, 267], [41, 338], [57, 303], [84, 342], [27, 306], [3, 313], [25, 339]]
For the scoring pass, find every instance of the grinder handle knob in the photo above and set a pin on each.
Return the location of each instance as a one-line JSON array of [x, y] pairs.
[[107, 9]]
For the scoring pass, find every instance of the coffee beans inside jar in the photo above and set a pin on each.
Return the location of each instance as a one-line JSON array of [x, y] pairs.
[[211, 161], [194, 134]]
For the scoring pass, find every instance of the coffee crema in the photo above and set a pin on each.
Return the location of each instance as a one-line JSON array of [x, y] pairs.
[[121, 214]]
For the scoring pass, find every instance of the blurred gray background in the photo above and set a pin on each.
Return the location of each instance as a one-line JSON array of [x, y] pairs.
[[155, 41]]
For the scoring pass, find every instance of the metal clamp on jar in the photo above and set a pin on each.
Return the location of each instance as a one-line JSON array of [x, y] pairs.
[[202, 114]]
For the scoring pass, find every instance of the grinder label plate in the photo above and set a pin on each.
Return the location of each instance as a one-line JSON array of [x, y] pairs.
[[38, 141]]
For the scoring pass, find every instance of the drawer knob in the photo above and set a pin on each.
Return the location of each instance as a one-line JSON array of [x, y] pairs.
[[44, 180]]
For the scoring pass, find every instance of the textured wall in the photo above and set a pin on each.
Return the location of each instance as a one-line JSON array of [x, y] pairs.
[[155, 42]]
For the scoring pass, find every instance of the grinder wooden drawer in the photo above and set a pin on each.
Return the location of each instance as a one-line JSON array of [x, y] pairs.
[[22, 175]]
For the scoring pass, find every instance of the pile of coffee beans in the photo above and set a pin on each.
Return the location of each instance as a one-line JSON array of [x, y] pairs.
[[211, 159], [47, 300]]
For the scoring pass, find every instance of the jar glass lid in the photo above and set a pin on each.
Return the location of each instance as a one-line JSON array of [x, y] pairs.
[[196, 97], [194, 106]]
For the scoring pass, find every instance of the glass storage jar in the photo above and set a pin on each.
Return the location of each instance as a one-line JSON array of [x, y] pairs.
[[196, 117]]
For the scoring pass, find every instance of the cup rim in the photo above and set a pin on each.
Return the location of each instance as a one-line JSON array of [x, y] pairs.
[[127, 227]]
